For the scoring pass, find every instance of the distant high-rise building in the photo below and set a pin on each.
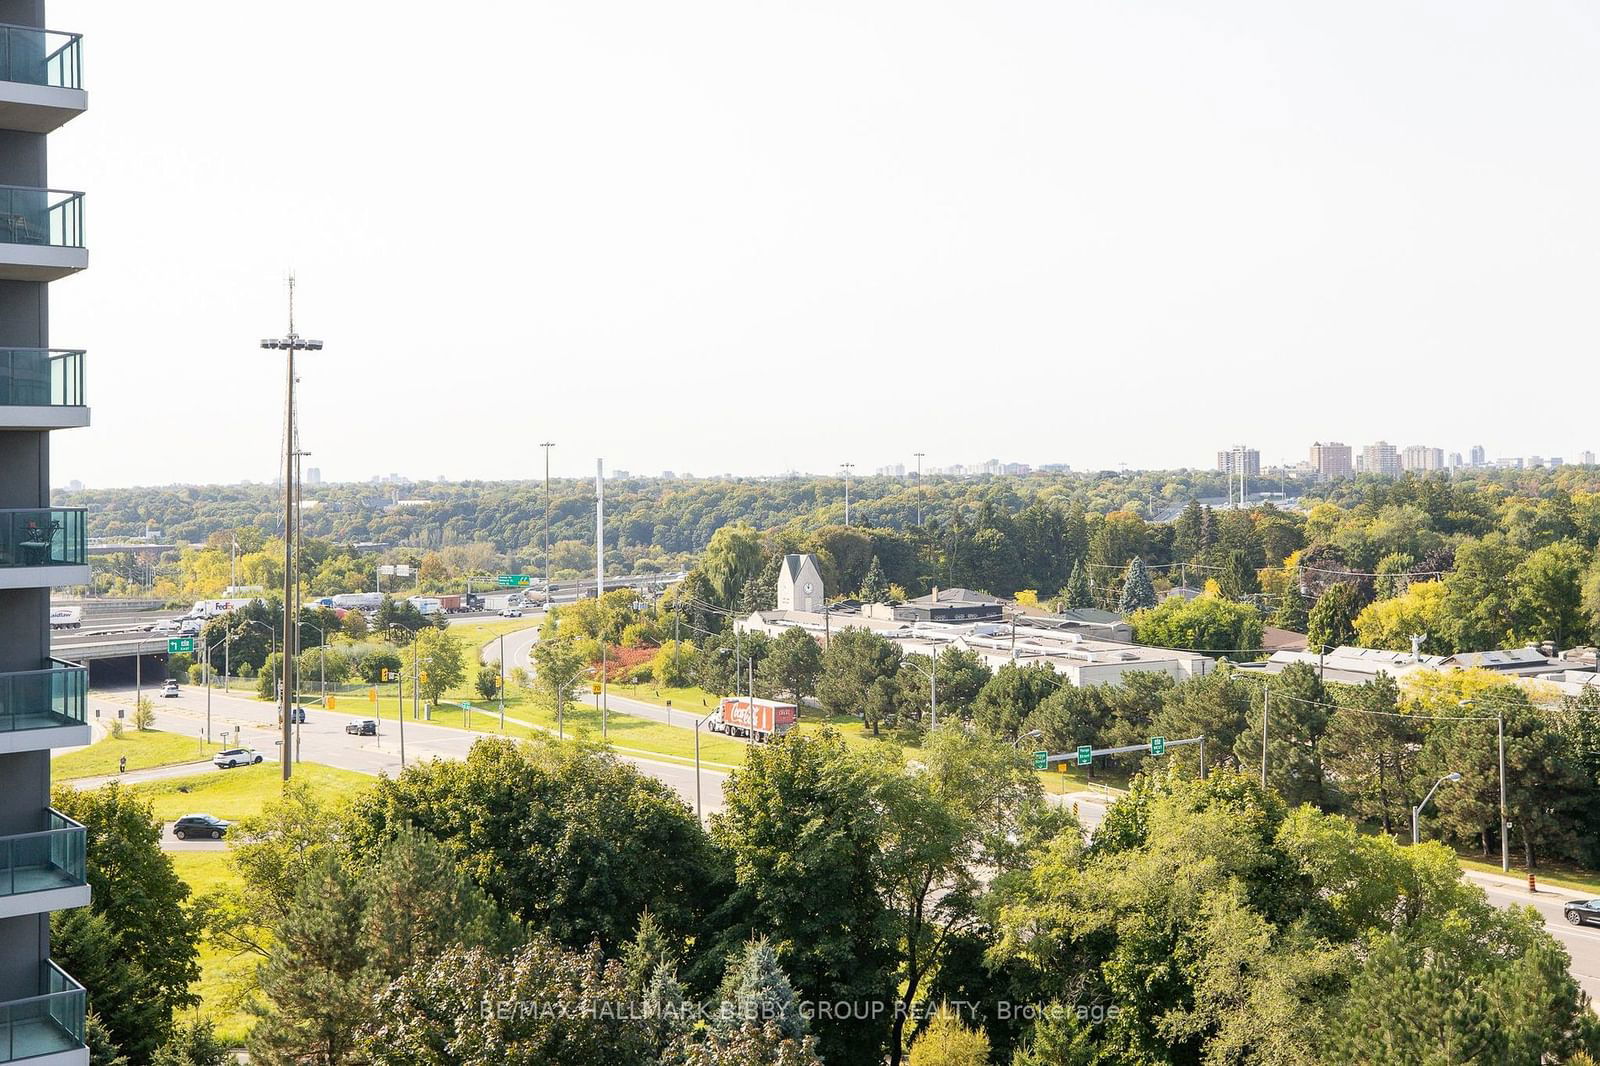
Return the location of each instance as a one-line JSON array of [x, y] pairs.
[[1381, 458], [1454, 461], [1586, 458], [1331, 460], [892, 470], [1478, 456], [1556, 460], [1237, 458], [1420, 457], [313, 475]]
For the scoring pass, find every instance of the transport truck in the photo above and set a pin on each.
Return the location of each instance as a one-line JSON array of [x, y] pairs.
[[66, 617], [357, 601], [758, 719]]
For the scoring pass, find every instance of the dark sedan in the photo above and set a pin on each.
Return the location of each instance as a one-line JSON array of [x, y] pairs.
[[1582, 911], [201, 826]]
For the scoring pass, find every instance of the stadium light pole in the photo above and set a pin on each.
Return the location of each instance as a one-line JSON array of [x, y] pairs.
[[289, 344], [547, 445], [919, 456], [846, 467]]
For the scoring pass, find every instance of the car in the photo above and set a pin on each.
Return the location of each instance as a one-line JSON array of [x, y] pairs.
[[227, 760], [511, 612], [297, 715], [205, 826], [1582, 911], [166, 625], [362, 727], [169, 688]]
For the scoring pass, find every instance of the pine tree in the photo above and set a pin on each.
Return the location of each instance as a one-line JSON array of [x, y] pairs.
[[1077, 593], [874, 589], [756, 992], [1332, 620], [1137, 591], [1292, 610]]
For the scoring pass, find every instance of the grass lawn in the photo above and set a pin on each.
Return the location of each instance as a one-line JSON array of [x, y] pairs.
[[689, 697], [241, 792], [476, 634], [143, 750], [1574, 879], [221, 973]]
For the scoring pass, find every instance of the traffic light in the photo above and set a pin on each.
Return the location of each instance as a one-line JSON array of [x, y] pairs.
[[423, 677], [372, 695], [383, 674]]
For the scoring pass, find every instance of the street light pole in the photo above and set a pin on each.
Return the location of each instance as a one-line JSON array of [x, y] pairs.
[[289, 345], [1416, 812], [547, 445]]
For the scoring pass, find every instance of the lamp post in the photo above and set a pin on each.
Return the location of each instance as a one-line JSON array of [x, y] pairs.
[[289, 344], [209, 650], [322, 661], [1416, 812], [547, 445]]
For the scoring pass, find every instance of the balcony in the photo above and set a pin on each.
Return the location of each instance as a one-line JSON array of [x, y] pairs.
[[42, 709], [41, 78], [43, 548], [41, 234], [45, 1029], [41, 388], [44, 871]]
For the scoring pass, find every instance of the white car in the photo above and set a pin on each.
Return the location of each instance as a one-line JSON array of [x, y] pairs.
[[227, 760], [169, 688], [511, 612]]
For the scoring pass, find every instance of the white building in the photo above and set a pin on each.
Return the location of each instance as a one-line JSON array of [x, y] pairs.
[[800, 584]]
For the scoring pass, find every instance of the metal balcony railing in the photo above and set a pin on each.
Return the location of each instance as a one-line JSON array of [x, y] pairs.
[[44, 699], [41, 57], [50, 536], [46, 1024], [50, 858], [41, 377], [44, 217]]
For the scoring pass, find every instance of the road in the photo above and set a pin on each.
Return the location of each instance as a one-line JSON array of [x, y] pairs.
[[322, 738]]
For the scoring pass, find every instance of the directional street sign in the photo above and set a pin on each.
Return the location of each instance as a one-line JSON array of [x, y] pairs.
[[514, 581], [1085, 755], [1158, 745], [177, 644], [1041, 760]]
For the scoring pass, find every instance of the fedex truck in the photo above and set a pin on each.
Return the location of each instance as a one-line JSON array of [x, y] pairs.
[[204, 609], [757, 719]]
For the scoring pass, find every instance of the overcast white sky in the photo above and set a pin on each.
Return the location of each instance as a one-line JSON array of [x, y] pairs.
[[750, 236]]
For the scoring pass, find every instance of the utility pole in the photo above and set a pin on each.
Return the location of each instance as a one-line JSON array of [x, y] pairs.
[[1265, 693], [599, 531], [919, 487], [547, 445], [289, 344], [1505, 841], [847, 467]]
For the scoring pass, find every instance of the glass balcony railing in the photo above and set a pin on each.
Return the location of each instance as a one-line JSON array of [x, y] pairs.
[[41, 57], [41, 377], [46, 1024], [50, 858], [46, 217], [44, 699], [52, 536]]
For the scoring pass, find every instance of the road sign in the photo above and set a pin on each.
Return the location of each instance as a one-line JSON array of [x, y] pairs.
[[514, 581], [1158, 745], [594, 687], [1041, 760], [1085, 755], [466, 705], [178, 644], [332, 702], [372, 695]]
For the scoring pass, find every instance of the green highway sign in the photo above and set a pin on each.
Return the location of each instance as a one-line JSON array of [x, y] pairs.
[[177, 644], [1085, 755], [1041, 760], [1158, 745], [514, 581]]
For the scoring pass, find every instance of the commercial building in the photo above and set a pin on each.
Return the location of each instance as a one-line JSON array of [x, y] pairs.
[[1381, 458], [1478, 457], [800, 584], [43, 701], [1331, 461], [1239, 459]]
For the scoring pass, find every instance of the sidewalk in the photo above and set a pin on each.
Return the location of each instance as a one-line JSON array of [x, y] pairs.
[[155, 773]]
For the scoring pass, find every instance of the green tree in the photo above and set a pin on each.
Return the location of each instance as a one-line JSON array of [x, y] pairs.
[[1370, 750], [1292, 610], [1419, 611], [437, 660], [671, 664], [874, 587], [792, 665], [132, 947], [1480, 593], [510, 812], [1011, 695], [947, 1042], [1297, 710], [557, 666], [487, 683], [1205, 624], [1137, 591], [193, 1044], [1076, 592], [1548, 600], [855, 661], [1331, 623], [732, 557], [755, 990], [803, 832]]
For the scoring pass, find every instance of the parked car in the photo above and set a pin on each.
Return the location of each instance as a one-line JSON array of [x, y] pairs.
[[205, 826], [227, 760], [169, 687], [1582, 911], [511, 612], [362, 727], [297, 715]]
